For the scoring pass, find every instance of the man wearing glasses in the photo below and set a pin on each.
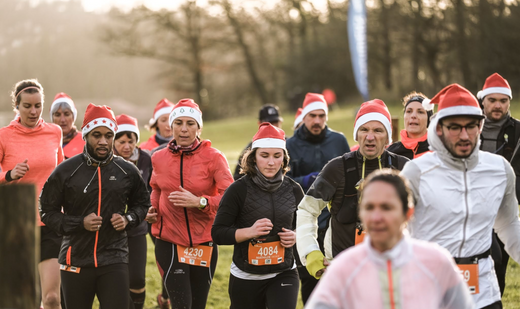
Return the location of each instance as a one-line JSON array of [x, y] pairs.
[[462, 194]]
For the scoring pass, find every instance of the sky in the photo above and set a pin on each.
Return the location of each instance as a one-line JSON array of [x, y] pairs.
[[105, 5]]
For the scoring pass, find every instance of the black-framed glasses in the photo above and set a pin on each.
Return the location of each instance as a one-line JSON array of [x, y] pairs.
[[456, 129]]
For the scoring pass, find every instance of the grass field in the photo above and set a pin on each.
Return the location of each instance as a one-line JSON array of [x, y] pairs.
[[231, 136]]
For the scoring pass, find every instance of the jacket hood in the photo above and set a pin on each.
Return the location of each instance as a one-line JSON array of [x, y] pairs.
[[436, 145]]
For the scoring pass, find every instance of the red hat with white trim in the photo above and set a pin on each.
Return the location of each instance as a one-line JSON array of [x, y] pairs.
[[455, 100], [186, 108], [127, 123], [298, 118], [374, 110], [269, 136], [62, 97], [98, 116], [164, 107], [495, 84], [312, 102]]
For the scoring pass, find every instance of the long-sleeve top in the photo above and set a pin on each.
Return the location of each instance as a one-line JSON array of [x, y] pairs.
[[458, 203], [413, 274], [40, 145]]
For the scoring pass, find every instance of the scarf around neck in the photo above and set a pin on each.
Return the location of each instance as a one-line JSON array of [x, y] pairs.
[[69, 136], [311, 138], [269, 185], [174, 148]]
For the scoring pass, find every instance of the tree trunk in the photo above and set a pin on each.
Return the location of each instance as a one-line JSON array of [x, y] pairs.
[[462, 46], [19, 247], [194, 35], [386, 44], [253, 74]]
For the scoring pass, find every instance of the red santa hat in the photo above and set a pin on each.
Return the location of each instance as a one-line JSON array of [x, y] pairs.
[[374, 110], [268, 136], [455, 100], [62, 97], [298, 118], [164, 107], [127, 123], [186, 108], [495, 84], [97, 116], [312, 102]]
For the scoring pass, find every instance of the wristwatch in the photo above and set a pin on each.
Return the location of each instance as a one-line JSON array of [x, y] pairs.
[[130, 218], [203, 203]]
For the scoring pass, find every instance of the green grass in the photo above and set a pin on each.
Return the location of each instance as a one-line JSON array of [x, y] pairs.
[[231, 136]]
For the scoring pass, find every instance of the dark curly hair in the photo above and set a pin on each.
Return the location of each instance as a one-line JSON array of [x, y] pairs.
[[393, 178], [248, 163], [15, 94]]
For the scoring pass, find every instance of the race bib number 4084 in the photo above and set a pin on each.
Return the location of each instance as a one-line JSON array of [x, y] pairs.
[[197, 256], [268, 253]]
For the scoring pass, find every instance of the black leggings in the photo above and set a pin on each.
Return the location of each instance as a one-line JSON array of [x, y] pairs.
[[137, 261], [187, 285], [109, 283], [280, 292]]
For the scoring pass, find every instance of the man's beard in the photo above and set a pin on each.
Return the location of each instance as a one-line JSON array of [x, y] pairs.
[[92, 153]]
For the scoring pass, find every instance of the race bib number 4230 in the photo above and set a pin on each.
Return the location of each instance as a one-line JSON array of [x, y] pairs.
[[197, 256], [470, 274], [268, 253]]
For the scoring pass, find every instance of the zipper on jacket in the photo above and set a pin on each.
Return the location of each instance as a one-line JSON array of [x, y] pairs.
[[185, 210], [467, 207], [99, 214], [274, 210], [390, 284]]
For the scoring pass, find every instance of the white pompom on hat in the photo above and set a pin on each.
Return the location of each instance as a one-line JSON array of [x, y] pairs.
[[97, 116], [62, 97], [298, 118], [269, 136], [127, 123], [495, 84], [374, 110], [186, 108], [164, 107]]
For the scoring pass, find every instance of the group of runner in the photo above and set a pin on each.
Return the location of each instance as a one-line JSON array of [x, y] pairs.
[[291, 212]]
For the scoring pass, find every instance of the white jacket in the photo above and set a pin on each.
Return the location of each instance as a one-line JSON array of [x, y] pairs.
[[414, 273], [460, 201]]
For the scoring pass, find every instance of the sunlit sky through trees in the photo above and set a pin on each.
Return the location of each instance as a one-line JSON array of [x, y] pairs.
[[126, 5]]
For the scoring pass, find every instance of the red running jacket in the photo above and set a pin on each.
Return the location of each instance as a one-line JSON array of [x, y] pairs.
[[203, 171]]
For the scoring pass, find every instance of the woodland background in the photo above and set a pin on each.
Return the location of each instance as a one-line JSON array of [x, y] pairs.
[[234, 56]]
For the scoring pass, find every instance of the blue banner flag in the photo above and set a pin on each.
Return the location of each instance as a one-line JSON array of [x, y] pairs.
[[357, 39]]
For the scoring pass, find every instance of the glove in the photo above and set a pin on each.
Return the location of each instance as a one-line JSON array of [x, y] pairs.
[[315, 263], [308, 180]]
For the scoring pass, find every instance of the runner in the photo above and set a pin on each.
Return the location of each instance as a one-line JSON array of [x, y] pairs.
[[310, 148], [257, 215], [463, 193], [159, 126], [24, 158], [125, 145], [93, 190], [163, 134], [417, 113], [390, 270], [188, 180], [268, 113], [336, 187], [500, 135], [64, 113]]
